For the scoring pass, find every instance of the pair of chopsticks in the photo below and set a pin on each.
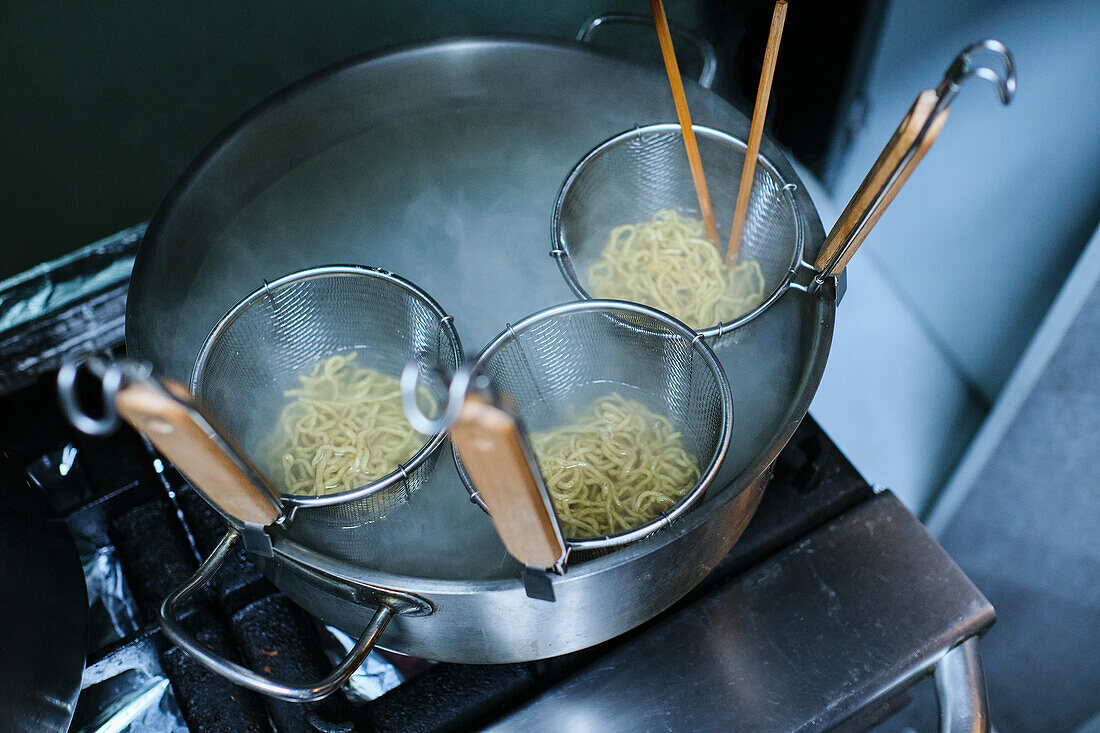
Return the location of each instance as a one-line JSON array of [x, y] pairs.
[[756, 129]]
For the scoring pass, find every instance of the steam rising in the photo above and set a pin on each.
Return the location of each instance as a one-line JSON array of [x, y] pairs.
[[459, 202]]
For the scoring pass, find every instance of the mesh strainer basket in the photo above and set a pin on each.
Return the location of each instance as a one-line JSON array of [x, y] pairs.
[[553, 364], [635, 174], [280, 331]]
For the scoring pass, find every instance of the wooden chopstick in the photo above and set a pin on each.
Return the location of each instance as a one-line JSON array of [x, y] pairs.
[[674, 81], [756, 130]]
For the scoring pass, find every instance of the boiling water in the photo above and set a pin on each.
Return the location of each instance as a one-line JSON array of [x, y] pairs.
[[482, 251], [472, 228]]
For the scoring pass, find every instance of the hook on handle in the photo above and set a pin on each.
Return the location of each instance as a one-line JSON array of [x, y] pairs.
[[965, 66], [459, 387]]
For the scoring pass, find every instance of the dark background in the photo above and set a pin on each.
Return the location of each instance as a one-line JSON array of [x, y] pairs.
[[103, 104]]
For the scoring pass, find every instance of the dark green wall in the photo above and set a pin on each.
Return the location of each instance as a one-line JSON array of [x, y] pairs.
[[103, 104]]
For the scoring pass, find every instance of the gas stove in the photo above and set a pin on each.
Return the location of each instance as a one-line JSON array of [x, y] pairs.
[[833, 604]]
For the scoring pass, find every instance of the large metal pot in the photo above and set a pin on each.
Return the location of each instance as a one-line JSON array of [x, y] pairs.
[[441, 162]]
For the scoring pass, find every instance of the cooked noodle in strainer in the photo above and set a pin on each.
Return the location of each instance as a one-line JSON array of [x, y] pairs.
[[342, 428], [668, 263], [617, 467]]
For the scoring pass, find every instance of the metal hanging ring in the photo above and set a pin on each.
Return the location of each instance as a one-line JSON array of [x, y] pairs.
[[456, 395], [110, 376]]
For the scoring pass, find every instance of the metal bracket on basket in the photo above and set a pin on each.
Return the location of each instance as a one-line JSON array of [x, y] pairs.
[[962, 68], [808, 280], [538, 584], [256, 540]]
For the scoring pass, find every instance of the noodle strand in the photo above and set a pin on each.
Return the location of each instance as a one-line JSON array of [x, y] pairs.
[[668, 263], [343, 428], [617, 468]]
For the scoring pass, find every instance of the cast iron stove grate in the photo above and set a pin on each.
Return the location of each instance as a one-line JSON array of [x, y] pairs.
[[120, 499], [818, 535]]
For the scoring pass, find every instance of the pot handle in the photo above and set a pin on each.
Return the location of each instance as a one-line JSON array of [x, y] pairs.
[[702, 45], [960, 690], [243, 676]]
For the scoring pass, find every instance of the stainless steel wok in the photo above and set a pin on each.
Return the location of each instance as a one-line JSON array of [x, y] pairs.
[[441, 162]]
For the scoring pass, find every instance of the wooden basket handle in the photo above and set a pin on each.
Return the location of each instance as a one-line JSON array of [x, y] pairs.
[[179, 431], [840, 242], [907, 170], [495, 454]]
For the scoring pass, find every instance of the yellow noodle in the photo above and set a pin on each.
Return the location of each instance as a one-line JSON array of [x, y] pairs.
[[668, 263], [616, 468], [343, 428]]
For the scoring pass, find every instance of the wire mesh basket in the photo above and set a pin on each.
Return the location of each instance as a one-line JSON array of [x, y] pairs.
[[634, 175], [552, 364], [260, 348]]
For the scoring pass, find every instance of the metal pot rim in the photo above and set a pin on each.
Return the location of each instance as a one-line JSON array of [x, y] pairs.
[[163, 217]]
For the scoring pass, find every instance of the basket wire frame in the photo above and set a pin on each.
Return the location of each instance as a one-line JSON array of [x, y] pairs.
[[632, 176], [554, 363], [258, 350]]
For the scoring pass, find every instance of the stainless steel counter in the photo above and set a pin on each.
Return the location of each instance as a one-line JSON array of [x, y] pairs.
[[856, 612]]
